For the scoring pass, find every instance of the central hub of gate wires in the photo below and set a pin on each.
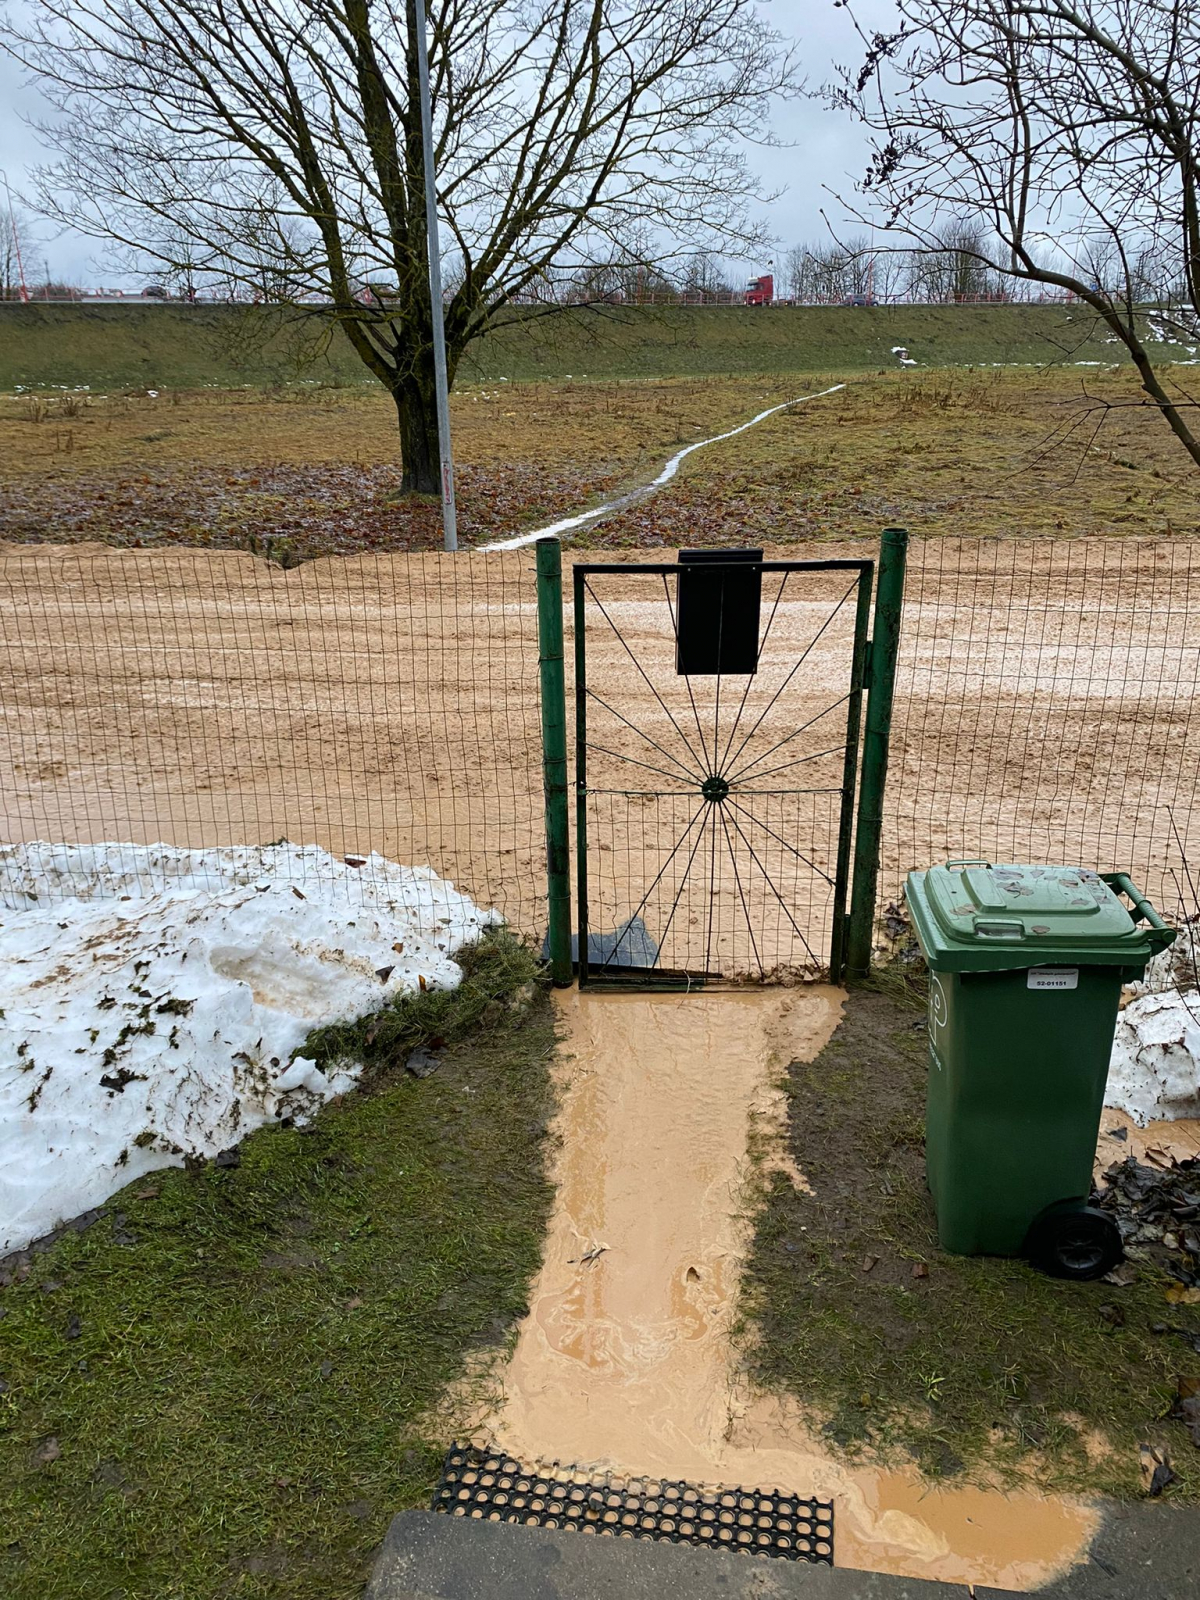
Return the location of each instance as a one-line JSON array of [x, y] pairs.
[[715, 788]]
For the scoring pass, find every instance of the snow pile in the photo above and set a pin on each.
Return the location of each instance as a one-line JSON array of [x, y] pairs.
[[146, 1018], [1154, 1074]]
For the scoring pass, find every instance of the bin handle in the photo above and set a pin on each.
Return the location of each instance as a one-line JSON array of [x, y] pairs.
[[1142, 910], [967, 861]]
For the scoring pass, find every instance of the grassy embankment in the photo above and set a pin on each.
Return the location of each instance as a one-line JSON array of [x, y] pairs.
[[193, 347]]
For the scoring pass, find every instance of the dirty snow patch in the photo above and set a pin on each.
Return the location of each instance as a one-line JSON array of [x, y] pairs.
[[158, 1010], [1154, 1074]]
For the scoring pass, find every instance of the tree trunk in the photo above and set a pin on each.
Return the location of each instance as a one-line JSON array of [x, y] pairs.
[[416, 410]]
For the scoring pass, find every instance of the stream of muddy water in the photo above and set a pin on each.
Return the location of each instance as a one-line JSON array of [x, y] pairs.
[[625, 1363]]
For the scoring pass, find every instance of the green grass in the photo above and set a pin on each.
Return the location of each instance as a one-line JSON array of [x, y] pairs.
[[192, 346], [983, 1366], [237, 1366]]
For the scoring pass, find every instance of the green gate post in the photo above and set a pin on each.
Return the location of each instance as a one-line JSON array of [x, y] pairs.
[[881, 678], [554, 756]]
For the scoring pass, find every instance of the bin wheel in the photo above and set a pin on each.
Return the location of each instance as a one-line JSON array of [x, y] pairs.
[[1082, 1244]]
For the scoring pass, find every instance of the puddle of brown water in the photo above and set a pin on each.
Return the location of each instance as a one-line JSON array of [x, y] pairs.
[[624, 1361]]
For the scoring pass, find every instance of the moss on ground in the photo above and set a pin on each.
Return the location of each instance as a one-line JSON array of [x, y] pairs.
[[969, 1365], [223, 1386]]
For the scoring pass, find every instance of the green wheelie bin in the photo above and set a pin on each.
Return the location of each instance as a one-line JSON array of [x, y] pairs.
[[1026, 965]]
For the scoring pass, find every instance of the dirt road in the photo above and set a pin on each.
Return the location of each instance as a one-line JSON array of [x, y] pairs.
[[1046, 708]]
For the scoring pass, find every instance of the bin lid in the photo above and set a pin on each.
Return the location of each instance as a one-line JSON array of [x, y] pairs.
[[976, 917]]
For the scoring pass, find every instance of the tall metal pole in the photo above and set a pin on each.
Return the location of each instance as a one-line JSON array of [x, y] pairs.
[[449, 513], [554, 756], [881, 678]]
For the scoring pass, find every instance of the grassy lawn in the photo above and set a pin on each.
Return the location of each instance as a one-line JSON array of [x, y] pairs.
[[942, 452], [315, 471], [223, 1386], [975, 1366]]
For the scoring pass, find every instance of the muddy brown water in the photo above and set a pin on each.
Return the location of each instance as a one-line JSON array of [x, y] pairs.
[[625, 1362]]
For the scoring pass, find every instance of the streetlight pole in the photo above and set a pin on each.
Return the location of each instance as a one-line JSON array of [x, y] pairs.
[[12, 222], [449, 513]]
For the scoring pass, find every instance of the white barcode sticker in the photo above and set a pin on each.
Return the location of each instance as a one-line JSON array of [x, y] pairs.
[[1053, 978]]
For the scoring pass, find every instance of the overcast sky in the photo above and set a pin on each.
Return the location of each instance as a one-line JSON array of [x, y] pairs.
[[825, 149]]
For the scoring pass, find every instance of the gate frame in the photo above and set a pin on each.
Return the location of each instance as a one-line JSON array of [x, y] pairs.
[[861, 678]]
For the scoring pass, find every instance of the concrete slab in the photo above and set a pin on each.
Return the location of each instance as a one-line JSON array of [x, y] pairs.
[[427, 1556], [1145, 1552]]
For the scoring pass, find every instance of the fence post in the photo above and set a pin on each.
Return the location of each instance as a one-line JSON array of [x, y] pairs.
[[881, 678], [554, 755]]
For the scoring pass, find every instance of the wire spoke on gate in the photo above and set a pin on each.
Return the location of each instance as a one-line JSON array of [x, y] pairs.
[[770, 882], [779, 839], [662, 750], [737, 878], [788, 738], [625, 646], [808, 649], [662, 870]]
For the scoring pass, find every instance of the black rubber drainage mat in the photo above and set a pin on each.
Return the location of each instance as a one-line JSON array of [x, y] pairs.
[[494, 1488]]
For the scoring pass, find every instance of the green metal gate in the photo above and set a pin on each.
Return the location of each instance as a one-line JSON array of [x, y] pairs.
[[719, 752]]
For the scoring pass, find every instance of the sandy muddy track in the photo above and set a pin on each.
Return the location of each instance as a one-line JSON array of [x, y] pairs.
[[625, 1363]]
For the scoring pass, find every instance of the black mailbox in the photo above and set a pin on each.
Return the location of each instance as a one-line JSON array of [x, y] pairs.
[[720, 598]]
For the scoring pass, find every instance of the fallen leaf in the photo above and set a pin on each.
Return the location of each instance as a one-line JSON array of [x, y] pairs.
[[1178, 1294], [149, 1191], [1156, 1471], [920, 1270]]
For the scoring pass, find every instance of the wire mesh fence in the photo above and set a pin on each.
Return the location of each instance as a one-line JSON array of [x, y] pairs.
[[385, 709], [1048, 708], [367, 710]]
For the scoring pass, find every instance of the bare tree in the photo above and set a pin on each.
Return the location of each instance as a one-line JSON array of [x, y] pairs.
[[269, 131], [1067, 132], [831, 271], [703, 277], [13, 266], [953, 269]]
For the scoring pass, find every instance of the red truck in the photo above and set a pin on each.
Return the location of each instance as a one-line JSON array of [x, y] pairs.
[[760, 291]]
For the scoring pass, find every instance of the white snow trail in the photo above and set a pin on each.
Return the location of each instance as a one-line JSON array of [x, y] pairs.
[[632, 496]]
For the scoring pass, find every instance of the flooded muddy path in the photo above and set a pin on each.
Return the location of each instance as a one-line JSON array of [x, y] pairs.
[[625, 1362]]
